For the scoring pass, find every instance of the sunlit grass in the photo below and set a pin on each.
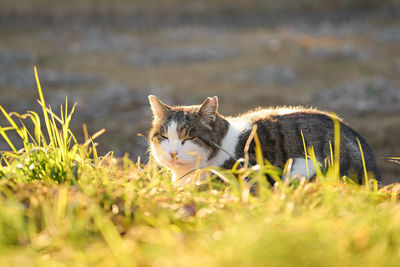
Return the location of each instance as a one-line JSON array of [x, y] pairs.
[[62, 203]]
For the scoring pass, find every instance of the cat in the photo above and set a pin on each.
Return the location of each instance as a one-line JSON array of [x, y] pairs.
[[185, 138]]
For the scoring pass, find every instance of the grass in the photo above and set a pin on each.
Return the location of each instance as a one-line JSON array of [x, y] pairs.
[[63, 204]]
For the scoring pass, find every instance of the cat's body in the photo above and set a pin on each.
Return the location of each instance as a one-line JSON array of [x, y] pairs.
[[189, 137]]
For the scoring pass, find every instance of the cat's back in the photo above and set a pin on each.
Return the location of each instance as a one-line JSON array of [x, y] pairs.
[[289, 123], [285, 113]]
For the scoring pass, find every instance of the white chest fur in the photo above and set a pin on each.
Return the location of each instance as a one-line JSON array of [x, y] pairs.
[[230, 141]]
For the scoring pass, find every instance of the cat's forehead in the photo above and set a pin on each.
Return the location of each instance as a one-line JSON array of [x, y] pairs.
[[180, 116]]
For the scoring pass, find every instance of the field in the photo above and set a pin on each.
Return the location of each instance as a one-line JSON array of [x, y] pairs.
[[61, 204], [93, 197]]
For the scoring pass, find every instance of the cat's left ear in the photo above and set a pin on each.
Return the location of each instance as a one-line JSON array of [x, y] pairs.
[[209, 108]]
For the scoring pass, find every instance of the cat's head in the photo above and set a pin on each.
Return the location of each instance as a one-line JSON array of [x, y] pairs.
[[185, 137]]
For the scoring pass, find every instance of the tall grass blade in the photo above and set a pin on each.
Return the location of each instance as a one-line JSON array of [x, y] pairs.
[[366, 180], [305, 154], [43, 104], [336, 129], [259, 154], [12, 122], [37, 130], [3, 133]]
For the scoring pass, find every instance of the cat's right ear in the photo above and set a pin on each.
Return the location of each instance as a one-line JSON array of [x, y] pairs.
[[209, 108], [159, 108]]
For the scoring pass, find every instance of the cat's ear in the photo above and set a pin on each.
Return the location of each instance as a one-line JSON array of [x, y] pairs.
[[159, 108], [209, 108]]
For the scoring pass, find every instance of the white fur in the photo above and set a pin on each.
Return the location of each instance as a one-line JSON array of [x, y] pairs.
[[229, 142], [299, 168], [189, 156], [173, 132]]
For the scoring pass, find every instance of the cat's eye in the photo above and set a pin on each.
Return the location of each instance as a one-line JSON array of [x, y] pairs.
[[163, 137], [188, 139]]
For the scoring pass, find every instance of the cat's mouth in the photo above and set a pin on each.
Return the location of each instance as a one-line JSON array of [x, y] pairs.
[[177, 163]]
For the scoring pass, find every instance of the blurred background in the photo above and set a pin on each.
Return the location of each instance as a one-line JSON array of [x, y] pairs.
[[107, 56]]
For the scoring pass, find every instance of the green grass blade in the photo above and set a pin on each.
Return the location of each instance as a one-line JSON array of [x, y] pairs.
[[37, 130], [366, 180], [305, 154], [336, 161], [3, 133], [12, 122], [43, 104]]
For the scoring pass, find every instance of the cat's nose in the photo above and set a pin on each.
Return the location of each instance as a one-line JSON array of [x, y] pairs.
[[172, 154]]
